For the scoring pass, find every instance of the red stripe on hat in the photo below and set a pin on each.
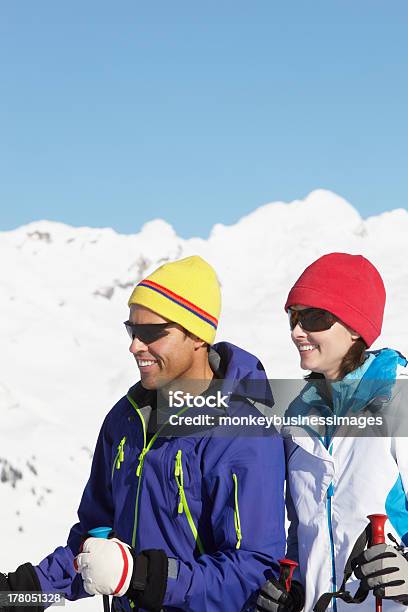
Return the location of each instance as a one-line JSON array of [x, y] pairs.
[[125, 569], [181, 299]]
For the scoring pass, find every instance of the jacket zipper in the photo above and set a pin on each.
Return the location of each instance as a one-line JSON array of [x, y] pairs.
[[139, 469], [237, 520], [330, 493], [183, 504]]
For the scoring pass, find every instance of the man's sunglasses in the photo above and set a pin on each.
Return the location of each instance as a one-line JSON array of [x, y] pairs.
[[147, 332], [311, 319]]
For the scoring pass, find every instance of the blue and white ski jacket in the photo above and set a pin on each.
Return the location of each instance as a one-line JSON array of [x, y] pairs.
[[213, 503], [335, 482]]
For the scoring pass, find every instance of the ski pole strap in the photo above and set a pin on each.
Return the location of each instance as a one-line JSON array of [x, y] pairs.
[[324, 600], [106, 603]]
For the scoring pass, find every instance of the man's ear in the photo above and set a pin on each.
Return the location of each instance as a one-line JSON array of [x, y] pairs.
[[198, 342]]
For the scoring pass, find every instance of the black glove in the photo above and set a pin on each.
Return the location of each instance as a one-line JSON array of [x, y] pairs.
[[149, 579], [23, 579], [274, 598], [383, 569]]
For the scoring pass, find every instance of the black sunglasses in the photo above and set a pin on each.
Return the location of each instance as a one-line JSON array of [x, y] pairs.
[[147, 332], [311, 319]]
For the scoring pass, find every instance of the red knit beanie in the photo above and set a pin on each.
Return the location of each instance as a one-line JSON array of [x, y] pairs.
[[348, 286]]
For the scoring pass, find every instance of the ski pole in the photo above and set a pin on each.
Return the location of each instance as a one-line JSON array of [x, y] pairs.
[[377, 522], [287, 567], [102, 532]]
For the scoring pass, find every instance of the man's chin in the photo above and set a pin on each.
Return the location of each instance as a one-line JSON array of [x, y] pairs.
[[149, 385], [152, 383]]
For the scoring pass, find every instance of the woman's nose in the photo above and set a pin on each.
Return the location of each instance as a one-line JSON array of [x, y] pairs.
[[298, 332]]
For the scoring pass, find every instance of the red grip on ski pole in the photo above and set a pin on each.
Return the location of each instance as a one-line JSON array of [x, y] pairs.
[[287, 567], [377, 522]]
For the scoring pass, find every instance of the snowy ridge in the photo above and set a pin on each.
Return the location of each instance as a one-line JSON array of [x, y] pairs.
[[64, 294]]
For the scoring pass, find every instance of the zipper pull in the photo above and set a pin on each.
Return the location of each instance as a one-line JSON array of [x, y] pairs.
[[177, 468], [178, 474], [141, 459], [330, 490], [239, 538], [121, 453]]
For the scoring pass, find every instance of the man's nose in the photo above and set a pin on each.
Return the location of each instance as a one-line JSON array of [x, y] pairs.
[[137, 345]]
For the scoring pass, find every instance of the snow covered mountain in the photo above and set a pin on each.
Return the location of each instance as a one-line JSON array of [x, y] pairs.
[[65, 357]]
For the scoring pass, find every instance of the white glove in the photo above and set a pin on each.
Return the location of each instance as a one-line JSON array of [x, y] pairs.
[[106, 566]]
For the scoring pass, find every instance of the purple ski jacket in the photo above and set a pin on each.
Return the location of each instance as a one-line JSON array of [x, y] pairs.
[[213, 502]]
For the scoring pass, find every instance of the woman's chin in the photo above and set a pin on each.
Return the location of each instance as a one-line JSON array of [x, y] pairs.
[[307, 362]]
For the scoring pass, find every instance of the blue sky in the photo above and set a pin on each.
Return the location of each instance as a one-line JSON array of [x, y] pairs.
[[198, 112]]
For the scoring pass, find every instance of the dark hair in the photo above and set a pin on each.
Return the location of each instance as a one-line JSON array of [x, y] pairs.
[[188, 334], [352, 360]]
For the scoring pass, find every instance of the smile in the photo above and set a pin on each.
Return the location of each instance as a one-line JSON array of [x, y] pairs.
[[307, 347], [143, 363]]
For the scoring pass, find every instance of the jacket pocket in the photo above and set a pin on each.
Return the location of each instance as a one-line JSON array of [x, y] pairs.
[[227, 490], [183, 506], [237, 520]]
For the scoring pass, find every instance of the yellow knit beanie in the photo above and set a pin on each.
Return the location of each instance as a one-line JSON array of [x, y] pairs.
[[186, 292]]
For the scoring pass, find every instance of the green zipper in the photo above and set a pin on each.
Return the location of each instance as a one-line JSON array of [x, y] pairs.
[[237, 520], [120, 455], [145, 450], [183, 504]]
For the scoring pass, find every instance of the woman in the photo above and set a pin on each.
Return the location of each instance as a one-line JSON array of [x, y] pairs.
[[337, 478]]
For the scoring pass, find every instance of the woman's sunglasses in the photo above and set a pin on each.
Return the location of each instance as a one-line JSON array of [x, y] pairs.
[[311, 319], [147, 332]]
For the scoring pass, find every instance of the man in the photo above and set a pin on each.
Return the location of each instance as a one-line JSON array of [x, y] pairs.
[[198, 519]]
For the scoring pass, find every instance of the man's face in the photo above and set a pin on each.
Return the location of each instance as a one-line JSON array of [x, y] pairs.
[[169, 358]]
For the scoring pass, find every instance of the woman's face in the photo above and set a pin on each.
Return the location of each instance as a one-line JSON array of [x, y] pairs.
[[323, 351]]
